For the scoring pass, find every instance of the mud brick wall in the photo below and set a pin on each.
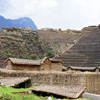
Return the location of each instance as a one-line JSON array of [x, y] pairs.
[[93, 83], [89, 80], [48, 78]]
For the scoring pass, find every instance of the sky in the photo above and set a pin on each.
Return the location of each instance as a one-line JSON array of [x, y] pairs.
[[64, 14]]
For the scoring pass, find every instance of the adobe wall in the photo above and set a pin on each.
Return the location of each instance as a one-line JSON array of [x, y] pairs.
[[26, 67], [46, 66], [93, 83], [12, 66], [56, 66], [89, 80]]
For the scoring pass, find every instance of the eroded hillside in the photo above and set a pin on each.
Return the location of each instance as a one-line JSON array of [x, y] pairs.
[[21, 43], [59, 40]]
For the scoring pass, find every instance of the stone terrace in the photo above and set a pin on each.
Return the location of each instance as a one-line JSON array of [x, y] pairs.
[[86, 52]]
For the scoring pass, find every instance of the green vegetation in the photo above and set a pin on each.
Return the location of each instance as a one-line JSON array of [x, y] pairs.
[[40, 46], [78, 33], [7, 94], [50, 54], [66, 45], [22, 31], [24, 46], [33, 56], [36, 36], [41, 57]]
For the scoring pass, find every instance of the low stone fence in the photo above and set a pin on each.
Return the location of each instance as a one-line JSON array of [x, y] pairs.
[[89, 80]]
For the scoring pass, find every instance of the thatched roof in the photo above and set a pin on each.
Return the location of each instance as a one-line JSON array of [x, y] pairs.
[[56, 61], [82, 68], [13, 81], [23, 61], [26, 61], [68, 91], [64, 68], [42, 61]]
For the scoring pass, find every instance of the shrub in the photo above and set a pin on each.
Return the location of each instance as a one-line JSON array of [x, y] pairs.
[[41, 57], [50, 54], [34, 56], [66, 45], [22, 31], [36, 37]]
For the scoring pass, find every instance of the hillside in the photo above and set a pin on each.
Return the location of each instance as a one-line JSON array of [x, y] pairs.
[[86, 52], [59, 40], [20, 23], [21, 43]]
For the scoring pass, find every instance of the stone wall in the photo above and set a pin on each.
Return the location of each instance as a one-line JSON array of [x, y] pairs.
[[89, 80], [93, 83]]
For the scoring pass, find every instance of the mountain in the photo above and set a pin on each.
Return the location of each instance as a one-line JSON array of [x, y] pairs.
[[20, 23]]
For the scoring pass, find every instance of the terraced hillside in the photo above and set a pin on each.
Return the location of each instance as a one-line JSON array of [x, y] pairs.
[[58, 39], [21, 43], [86, 52]]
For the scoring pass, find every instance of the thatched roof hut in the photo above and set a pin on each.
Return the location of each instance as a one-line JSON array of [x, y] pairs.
[[91, 69], [23, 61], [25, 64], [37, 65]]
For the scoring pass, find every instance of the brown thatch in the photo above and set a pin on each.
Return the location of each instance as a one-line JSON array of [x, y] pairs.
[[56, 61], [64, 68], [13, 81], [42, 61], [26, 61], [68, 91], [82, 68]]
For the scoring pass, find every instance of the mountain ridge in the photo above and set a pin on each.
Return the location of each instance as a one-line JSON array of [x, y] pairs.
[[20, 23]]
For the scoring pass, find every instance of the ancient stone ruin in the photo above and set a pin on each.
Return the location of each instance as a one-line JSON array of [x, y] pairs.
[[86, 52]]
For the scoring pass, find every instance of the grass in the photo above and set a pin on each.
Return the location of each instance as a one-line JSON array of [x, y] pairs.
[[6, 94]]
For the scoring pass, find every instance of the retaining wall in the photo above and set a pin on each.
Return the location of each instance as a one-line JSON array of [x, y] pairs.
[[89, 80]]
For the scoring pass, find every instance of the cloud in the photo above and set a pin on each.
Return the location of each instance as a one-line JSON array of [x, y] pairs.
[[28, 7], [64, 14]]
